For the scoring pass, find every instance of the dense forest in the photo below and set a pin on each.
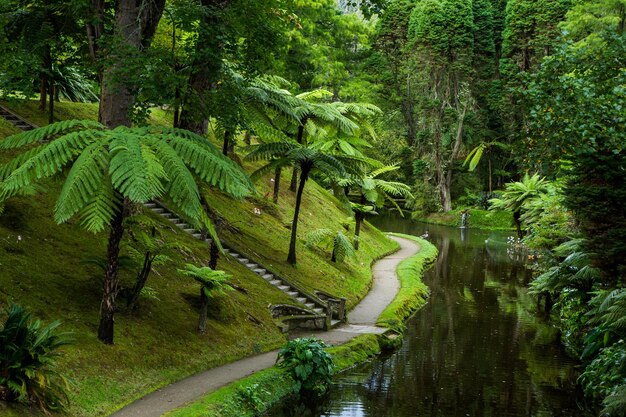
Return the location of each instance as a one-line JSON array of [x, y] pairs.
[[431, 107]]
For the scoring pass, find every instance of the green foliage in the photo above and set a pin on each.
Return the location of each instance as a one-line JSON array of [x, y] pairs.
[[341, 245], [606, 372], [213, 282], [310, 366], [28, 356], [139, 164]]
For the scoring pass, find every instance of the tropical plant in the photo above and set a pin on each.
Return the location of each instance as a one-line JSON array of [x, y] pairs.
[[374, 191], [475, 155], [327, 238], [148, 248], [109, 169], [310, 366], [212, 283], [307, 161], [28, 354], [518, 195]]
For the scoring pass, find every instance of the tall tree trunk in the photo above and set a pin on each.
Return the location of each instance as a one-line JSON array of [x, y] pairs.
[[299, 138], [135, 24], [43, 90], [276, 184], [176, 122], [226, 145], [111, 284], [291, 257], [51, 101]]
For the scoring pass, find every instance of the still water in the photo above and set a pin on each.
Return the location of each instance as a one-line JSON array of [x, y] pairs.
[[476, 349]]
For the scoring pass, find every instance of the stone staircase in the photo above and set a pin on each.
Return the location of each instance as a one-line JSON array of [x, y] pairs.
[[16, 120], [312, 304]]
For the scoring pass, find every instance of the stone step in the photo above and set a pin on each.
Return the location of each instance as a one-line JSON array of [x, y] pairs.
[[150, 205], [284, 288], [301, 299], [292, 294], [275, 282], [268, 277], [189, 230], [182, 225], [158, 210], [252, 266], [243, 260], [309, 305], [259, 271], [197, 235], [318, 310], [167, 215], [334, 322]]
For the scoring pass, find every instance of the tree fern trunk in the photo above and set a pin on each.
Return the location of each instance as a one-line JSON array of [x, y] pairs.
[[358, 217], [226, 145], [276, 184], [111, 284], [294, 179], [291, 257], [518, 224], [204, 305], [142, 278]]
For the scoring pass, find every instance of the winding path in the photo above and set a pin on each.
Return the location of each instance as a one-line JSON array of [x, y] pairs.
[[362, 320]]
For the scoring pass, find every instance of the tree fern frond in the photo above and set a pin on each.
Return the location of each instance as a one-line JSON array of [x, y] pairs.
[[215, 170], [342, 247], [319, 236], [47, 133], [134, 170], [98, 213], [50, 160], [83, 182]]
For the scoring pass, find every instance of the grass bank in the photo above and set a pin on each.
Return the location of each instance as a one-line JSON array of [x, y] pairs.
[[258, 393], [413, 292], [478, 219], [42, 268]]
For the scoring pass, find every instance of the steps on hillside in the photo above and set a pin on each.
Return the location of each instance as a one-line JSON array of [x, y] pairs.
[[16, 120], [298, 297]]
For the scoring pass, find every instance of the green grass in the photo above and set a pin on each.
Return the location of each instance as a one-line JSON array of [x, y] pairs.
[[413, 292], [65, 110], [479, 219], [272, 385], [7, 129], [158, 344]]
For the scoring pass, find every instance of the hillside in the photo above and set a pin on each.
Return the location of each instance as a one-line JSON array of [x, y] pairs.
[[42, 268]]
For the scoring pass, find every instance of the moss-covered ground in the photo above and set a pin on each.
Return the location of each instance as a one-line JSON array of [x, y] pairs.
[[42, 268]]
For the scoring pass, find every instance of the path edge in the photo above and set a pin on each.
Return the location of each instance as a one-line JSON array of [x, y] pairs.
[[256, 394]]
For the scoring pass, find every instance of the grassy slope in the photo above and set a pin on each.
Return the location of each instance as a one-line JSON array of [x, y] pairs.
[[158, 344]]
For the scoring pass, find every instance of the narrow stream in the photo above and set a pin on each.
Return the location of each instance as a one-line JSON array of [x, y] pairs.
[[476, 349]]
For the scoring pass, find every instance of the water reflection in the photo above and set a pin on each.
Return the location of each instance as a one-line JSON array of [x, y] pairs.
[[476, 349]]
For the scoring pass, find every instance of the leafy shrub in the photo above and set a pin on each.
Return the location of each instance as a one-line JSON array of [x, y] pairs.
[[28, 354], [310, 366], [606, 371]]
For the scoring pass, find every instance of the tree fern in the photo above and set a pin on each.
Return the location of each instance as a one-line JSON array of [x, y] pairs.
[[329, 239], [108, 169]]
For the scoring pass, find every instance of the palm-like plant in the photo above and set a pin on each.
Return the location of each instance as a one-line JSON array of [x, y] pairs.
[[28, 354], [212, 282], [307, 160], [519, 194], [340, 243], [373, 193], [110, 169]]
